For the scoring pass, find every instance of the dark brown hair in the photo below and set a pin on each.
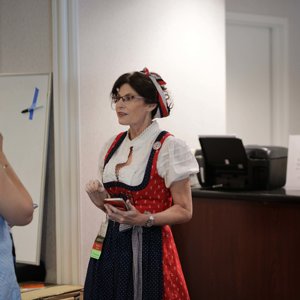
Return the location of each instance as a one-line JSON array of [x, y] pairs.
[[142, 84]]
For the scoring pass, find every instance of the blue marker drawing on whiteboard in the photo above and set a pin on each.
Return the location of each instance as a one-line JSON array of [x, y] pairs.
[[33, 106], [34, 101]]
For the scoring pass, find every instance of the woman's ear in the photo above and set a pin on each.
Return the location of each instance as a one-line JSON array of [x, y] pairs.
[[152, 106]]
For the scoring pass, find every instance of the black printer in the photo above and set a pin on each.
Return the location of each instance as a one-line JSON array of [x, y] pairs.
[[226, 164]]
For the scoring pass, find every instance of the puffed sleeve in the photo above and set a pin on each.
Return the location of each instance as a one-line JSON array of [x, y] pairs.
[[176, 161]]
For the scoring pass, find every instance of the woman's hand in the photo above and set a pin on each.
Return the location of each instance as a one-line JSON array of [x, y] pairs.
[[130, 217], [96, 192]]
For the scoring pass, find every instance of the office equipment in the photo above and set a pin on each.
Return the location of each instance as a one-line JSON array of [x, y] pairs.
[[25, 144], [226, 164]]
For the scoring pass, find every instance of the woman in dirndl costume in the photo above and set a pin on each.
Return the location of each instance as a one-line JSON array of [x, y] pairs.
[[150, 169]]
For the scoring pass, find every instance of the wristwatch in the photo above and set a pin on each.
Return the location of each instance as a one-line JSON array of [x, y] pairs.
[[149, 221]]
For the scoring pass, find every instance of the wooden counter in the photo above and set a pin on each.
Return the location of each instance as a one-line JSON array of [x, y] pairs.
[[241, 246]]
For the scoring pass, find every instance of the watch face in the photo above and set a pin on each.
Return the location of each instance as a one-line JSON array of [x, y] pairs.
[[150, 221]]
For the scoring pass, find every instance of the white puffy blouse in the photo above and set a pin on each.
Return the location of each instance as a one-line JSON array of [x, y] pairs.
[[175, 161]]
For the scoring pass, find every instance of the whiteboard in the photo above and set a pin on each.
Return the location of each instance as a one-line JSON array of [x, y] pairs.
[[25, 139]]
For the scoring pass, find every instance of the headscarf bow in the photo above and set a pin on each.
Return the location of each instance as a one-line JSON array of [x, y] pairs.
[[163, 107]]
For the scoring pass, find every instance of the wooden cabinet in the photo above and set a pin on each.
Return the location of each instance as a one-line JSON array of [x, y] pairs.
[[240, 249]]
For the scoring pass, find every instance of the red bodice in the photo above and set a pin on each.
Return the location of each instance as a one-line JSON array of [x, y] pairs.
[[151, 195]]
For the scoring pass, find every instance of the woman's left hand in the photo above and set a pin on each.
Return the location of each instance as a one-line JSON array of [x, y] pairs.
[[130, 217]]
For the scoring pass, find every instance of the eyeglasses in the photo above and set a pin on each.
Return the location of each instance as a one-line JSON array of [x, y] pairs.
[[125, 99]]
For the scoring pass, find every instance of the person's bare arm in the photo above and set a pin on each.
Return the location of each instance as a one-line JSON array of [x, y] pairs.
[[15, 202], [182, 209]]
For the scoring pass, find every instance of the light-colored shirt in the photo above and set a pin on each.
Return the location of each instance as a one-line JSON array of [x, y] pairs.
[[9, 288], [175, 161]]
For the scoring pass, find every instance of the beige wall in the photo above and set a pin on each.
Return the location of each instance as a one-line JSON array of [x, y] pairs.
[[25, 35]]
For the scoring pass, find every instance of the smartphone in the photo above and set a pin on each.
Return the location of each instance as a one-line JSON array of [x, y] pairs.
[[116, 202]]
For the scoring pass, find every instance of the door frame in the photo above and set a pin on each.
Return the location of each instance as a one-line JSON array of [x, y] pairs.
[[279, 69], [66, 136]]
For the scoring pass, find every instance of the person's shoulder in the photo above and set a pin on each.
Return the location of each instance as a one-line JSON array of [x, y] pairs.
[[108, 143], [172, 140], [173, 144], [116, 137]]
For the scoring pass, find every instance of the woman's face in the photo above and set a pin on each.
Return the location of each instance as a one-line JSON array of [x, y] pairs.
[[134, 112]]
